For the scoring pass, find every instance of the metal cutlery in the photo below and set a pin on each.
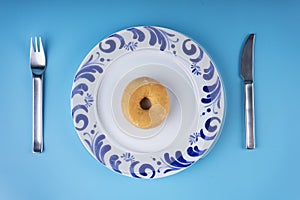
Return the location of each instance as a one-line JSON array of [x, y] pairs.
[[38, 66], [247, 75]]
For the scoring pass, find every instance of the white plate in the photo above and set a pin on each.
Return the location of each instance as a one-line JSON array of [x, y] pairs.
[[196, 102]]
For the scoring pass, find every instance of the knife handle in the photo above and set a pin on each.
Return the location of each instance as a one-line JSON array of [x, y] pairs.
[[249, 116]]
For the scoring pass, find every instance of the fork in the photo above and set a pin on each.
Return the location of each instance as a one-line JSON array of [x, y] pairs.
[[38, 66]]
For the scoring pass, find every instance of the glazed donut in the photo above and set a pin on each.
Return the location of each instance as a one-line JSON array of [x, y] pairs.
[[145, 103]]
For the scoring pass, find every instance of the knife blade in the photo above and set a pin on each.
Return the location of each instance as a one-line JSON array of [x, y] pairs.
[[247, 63]]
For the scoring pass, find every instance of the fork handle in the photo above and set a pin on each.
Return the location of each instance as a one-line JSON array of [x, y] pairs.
[[37, 113]]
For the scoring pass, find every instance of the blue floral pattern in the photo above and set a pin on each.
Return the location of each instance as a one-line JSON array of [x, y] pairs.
[[128, 157], [131, 46], [94, 140], [88, 100], [166, 162], [195, 69], [162, 38]]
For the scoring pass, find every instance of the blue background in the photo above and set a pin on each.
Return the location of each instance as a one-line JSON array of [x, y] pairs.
[[71, 28]]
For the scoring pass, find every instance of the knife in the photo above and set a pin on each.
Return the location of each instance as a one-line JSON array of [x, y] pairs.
[[247, 75]]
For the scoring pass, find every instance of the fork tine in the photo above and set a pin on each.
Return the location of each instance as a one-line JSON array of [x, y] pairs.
[[36, 44], [31, 46], [41, 45]]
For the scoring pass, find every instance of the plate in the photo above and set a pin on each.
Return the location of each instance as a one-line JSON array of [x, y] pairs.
[[196, 102]]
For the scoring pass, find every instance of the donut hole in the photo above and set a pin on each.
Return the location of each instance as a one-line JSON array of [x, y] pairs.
[[145, 103]]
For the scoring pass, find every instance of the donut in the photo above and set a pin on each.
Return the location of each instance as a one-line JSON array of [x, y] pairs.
[[145, 103]]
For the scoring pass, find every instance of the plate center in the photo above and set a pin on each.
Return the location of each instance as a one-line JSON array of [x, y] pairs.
[[182, 102]]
